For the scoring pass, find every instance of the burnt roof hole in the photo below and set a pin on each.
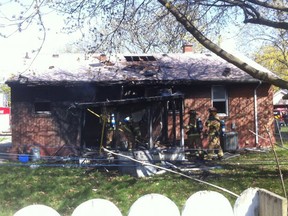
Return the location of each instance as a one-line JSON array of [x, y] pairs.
[[226, 72], [140, 58], [128, 58], [151, 58], [149, 73]]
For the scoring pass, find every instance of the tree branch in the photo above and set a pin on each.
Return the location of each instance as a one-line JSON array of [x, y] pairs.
[[266, 22], [251, 12], [267, 5], [261, 75]]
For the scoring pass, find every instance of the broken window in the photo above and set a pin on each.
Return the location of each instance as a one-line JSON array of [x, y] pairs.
[[42, 107], [220, 99]]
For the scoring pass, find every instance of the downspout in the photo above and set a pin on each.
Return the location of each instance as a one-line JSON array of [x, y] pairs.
[[181, 123], [256, 115]]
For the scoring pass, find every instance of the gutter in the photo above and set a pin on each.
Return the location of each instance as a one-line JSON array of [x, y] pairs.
[[256, 114]]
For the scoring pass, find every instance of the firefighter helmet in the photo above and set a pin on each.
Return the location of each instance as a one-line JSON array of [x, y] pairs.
[[192, 112], [213, 109]]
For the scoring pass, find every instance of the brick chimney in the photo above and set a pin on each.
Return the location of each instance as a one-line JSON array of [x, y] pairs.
[[187, 48], [103, 58]]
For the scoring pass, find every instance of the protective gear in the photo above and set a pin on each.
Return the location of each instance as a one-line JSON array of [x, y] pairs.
[[194, 127], [193, 112], [214, 127], [113, 121], [223, 129], [199, 125], [212, 109]]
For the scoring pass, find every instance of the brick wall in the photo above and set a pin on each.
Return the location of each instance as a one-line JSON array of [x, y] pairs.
[[62, 128], [49, 132], [241, 111]]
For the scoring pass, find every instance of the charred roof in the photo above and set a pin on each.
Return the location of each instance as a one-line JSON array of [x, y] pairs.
[[164, 68]]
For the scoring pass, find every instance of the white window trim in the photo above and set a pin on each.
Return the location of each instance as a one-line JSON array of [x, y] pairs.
[[220, 100]]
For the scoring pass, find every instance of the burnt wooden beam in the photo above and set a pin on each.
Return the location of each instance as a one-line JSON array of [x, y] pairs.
[[82, 125], [150, 128], [128, 101], [165, 123], [174, 122], [181, 122]]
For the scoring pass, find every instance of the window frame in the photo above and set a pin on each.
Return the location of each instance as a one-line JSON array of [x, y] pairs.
[[225, 99], [42, 108]]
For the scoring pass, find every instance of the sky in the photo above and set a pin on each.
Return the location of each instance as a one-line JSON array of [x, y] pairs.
[[11, 10], [15, 47]]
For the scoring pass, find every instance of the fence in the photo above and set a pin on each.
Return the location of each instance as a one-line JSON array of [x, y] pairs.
[[252, 202], [281, 132]]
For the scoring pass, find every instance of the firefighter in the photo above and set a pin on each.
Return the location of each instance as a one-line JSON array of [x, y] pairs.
[[194, 132], [214, 127], [132, 129]]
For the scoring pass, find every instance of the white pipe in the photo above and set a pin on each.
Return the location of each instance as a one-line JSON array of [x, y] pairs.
[[256, 115], [171, 171]]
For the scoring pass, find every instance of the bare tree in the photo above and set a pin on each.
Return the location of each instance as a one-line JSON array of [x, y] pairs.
[[151, 23]]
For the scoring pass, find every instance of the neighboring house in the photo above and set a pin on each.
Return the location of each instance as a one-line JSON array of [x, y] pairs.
[[280, 105], [3, 99], [4, 114], [279, 101], [69, 102]]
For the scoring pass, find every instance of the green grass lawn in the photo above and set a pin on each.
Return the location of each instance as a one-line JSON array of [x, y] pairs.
[[64, 188], [284, 129]]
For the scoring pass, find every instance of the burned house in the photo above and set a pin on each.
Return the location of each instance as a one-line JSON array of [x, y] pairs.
[[64, 103]]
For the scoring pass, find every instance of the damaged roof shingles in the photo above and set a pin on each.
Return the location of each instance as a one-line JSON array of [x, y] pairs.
[[167, 67]]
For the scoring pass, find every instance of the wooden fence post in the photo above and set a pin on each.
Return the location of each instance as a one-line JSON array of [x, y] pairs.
[[271, 204]]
